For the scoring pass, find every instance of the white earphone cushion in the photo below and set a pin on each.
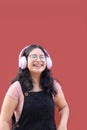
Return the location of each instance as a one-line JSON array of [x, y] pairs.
[[49, 62], [22, 62]]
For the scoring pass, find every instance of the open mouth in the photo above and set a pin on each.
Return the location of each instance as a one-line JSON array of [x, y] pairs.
[[38, 65]]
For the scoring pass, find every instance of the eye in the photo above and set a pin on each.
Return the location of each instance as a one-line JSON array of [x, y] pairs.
[[42, 57], [33, 57]]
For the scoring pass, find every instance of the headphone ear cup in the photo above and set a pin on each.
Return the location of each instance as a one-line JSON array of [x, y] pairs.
[[49, 62], [22, 62]]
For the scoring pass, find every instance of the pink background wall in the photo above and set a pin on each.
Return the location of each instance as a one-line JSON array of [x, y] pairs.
[[61, 27]]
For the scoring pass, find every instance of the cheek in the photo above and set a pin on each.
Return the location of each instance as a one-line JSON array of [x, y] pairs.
[[29, 64], [45, 64]]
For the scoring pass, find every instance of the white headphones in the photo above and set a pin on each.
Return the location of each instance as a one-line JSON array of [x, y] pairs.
[[23, 60]]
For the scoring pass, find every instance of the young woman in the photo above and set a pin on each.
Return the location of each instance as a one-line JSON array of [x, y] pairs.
[[31, 98]]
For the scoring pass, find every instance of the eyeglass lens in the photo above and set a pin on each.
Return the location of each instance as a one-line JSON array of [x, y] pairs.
[[35, 57]]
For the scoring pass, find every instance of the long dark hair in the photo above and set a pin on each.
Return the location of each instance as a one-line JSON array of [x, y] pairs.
[[46, 79]]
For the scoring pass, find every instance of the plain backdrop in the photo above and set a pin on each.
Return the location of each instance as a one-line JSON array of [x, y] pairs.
[[61, 27]]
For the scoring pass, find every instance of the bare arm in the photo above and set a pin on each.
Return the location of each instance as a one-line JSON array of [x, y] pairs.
[[63, 107], [8, 107]]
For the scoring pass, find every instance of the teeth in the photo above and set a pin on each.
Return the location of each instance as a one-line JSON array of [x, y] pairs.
[[38, 65]]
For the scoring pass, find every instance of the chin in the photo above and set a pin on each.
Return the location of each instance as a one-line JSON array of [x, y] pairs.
[[38, 70]]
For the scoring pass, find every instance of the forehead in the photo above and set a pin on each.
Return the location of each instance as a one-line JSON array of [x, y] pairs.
[[37, 51]]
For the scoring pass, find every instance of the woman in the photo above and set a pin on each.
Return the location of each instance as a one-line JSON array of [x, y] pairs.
[[33, 94]]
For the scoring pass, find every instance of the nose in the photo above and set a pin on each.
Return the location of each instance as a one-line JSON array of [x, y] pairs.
[[38, 58]]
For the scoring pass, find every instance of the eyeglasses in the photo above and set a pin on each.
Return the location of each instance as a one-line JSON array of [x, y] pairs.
[[34, 57]]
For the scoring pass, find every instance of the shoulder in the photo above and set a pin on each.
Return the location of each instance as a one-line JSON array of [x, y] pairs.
[[15, 86], [59, 98], [57, 86], [14, 90]]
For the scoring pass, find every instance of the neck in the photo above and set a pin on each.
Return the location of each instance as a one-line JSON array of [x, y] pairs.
[[36, 80]]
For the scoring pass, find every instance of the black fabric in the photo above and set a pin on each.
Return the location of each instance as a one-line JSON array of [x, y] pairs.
[[37, 113]]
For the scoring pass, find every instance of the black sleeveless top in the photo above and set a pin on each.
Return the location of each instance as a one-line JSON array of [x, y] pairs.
[[37, 113]]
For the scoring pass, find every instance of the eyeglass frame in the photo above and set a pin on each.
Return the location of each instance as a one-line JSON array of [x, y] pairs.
[[37, 56]]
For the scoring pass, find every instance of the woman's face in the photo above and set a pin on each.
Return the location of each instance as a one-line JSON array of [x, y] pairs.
[[36, 61]]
